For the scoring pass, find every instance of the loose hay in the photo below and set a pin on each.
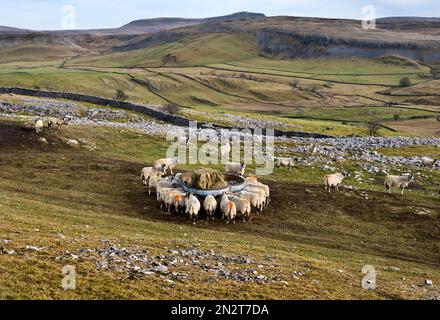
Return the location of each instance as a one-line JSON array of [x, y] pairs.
[[207, 179]]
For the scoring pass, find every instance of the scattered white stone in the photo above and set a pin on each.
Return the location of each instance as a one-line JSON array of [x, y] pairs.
[[43, 140], [72, 142], [34, 248]]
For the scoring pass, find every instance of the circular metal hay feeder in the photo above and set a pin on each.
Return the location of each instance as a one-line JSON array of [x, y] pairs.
[[235, 184]]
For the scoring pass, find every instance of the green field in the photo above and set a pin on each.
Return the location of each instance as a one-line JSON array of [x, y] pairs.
[[190, 51]]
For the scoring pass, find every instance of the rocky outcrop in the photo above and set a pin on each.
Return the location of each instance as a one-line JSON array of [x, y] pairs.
[[275, 42]]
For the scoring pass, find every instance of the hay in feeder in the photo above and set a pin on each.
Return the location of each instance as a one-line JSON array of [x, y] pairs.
[[207, 179]]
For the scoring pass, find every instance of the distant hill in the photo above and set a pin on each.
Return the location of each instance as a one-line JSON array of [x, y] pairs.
[[159, 24], [10, 29], [279, 37]]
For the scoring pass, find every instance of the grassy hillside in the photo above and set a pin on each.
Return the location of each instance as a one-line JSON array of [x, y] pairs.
[[35, 52], [352, 70], [193, 50], [311, 245]]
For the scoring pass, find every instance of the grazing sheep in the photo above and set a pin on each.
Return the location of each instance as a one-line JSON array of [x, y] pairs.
[[38, 125], [253, 198], [179, 201], [210, 205], [148, 172], [251, 180], [167, 182], [161, 195], [168, 198], [225, 150], [284, 162], [152, 183], [56, 122], [228, 208], [236, 169], [429, 163], [262, 198], [166, 164], [243, 206], [192, 205], [334, 180], [262, 186], [398, 182]]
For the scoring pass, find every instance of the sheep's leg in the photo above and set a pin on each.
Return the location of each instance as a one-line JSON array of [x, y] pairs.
[[403, 189], [337, 187]]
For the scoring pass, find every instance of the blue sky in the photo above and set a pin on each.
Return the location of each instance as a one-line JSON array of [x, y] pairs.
[[47, 14]]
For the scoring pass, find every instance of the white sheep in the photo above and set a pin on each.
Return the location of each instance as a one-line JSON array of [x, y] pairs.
[[210, 205], [262, 186], [398, 182], [56, 122], [236, 169], [148, 172], [284, 162], [428, 162], [262, 198], [152, 183], [168, 198], [243, 206], [167, 182], [251, 180], [253, 198], [228, 208], [38, 125], [334, 180], [192, 205], [179, 201], [166, 164]]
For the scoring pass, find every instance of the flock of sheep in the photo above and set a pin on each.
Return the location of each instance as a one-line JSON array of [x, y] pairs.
[[255, 195], [51, 122], [231, 205], [391, 181]]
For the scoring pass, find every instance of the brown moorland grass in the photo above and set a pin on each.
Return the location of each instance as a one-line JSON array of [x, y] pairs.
[[48, 190]]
